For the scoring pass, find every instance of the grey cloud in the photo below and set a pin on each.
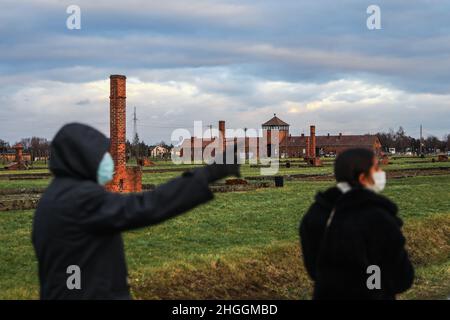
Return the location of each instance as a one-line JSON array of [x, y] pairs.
[[83, 102], [231, 54]]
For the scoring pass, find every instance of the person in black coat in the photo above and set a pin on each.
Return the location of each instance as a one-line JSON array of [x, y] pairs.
[[351, 231], [77, 224]]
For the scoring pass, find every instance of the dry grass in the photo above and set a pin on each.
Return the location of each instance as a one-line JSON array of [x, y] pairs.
[[277, 272]]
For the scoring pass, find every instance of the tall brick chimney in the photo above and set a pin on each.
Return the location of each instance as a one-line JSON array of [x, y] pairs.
[[117, 108], [126, 179], [312, 141], [222, 134]]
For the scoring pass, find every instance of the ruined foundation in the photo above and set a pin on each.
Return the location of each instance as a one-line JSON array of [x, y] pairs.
[[19, 163]]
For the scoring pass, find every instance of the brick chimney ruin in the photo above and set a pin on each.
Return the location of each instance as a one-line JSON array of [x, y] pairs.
[[126, 179], [19, 153], [19, 163], [311, 156], [222, 135], [312, 134]]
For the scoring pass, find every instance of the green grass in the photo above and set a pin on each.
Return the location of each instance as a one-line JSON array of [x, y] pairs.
[[246, 170], [18, 268], [30, 171], [15, 184], [432, 282], [233, 226]]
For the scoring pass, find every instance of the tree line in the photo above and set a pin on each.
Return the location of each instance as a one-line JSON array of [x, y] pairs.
[[138, 148], [39, 148], [404, 143]]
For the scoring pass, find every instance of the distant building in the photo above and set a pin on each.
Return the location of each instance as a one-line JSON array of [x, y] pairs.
[[330, 144], [19, 162], [292, 146], [10, 156], [159, 151]]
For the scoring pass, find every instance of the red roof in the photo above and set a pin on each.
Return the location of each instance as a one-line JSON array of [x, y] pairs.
[[275, 121], [339, 140], [366, 140], [204, 142]]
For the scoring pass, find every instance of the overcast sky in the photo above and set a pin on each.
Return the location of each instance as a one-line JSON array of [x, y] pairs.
[[310, 62]]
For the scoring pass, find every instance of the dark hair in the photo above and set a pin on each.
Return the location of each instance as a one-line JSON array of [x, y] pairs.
[[351, 163]]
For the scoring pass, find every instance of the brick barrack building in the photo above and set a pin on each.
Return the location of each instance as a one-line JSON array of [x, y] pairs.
[[304, 146], [308, 147]]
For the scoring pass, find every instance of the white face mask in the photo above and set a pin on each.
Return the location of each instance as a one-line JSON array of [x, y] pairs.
[[105, 171], [379, 179]]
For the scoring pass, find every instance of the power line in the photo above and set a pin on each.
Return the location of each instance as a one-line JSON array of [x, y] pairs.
[[169, 127]]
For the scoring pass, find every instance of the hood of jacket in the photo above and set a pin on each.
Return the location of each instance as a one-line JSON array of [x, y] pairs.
[[76, 151], [328, 198], [357, 198], [360, 198]]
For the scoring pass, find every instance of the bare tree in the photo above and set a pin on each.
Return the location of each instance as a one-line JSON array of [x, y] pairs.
[[4, 146], [447, 140], [37, 147], [402, 142], [432, 143]]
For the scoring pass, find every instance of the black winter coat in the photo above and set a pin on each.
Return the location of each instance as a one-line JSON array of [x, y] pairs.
[[364, 231], [77, 222]]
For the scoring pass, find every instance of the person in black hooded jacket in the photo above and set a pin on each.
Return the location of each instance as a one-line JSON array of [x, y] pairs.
[[78, 223], [349, 229]]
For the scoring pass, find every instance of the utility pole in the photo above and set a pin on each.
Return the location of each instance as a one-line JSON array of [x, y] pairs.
[[287, 144], [134, 123], [245, 145], [136, 149], [421, 141]]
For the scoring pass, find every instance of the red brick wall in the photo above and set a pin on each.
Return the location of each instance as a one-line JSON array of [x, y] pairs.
[[308, 147], [339, 149], [11, 157], [134, 181]]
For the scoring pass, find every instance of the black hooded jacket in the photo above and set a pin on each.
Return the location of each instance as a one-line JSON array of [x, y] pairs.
[[77, 222], [365, 230]]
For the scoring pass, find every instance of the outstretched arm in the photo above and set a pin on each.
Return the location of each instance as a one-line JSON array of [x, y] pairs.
[[102, 211]]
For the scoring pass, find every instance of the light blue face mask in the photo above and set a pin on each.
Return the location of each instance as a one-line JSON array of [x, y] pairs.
[[105, 169]]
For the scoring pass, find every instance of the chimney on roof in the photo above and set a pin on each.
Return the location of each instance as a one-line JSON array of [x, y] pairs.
[[328, 135], [303, 135], [340, 135], [308, 147]]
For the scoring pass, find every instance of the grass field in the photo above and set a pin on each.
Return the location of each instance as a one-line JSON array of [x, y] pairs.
[[244, 244]]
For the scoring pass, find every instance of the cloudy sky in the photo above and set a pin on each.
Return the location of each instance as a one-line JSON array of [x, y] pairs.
[[310, 62]]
